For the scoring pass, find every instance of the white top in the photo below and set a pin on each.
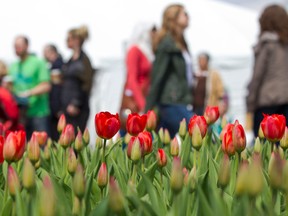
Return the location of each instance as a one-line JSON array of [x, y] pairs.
[[189, 71]]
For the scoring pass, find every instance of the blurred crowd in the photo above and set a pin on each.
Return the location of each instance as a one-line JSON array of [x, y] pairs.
[[160, 75]]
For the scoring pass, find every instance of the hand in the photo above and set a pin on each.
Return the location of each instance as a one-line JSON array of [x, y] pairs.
[[72, 110], [25, 94]]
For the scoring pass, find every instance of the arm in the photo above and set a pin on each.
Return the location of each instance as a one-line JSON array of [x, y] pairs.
[[260, 66], [159, 70], [132, 65]]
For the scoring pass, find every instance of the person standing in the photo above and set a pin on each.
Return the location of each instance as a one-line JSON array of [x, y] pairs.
[[55, 65], [139, 60], [171, 83], [31, 84], [267, 89], [208, 89], [77, 80]]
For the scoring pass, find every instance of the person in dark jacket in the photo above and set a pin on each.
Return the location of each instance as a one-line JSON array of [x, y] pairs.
[[267, 88], [77, 80], [171, 83], [55, 61]]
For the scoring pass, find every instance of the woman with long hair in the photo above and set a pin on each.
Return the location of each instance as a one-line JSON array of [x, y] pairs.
[[77, 80], [171, 83], [267, 88]]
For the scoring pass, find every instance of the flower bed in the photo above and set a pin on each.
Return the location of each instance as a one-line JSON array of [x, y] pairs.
[[146, 173]]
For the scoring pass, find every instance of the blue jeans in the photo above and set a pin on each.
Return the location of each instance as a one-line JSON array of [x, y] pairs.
[[37, 124], [171, 116]]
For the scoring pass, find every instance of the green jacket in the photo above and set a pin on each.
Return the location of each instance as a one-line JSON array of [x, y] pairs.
[[169, 84]]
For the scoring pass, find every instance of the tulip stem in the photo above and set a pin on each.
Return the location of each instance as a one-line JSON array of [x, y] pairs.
[[103, 151], [272, 146], [218, 152], [134, 173], [143, 164], [64, 163]]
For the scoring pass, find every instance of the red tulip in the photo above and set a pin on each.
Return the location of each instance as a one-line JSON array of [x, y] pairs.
[[2, 130], [225, 129], [14, 146], [151, 120], [2, 140], [273, 127], [41, 137], [147, 138], [161, 158], [106, 124], [239, 137], [211, 114], [197, 129], [136, 123], [201, 122], [61, 123], [227, 141]]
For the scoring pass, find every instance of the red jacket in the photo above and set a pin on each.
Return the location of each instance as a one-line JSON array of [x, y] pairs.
[[138, 75], [9, 112]]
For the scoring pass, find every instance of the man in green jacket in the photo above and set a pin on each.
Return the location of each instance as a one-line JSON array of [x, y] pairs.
[[31, 84]]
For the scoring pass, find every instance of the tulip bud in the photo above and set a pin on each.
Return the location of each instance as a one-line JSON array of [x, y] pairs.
[[176, 178], [99, 143], [255, 177], [116, 198], [61, 123], [196, 138], [13, 181], [136, 150], [239, 137], [183, 128], [167, 138], [78, 142], [41, 137], [161, 134], [102, 178], [47, 198], [127, 138], [37, 164], [192, 180], [28, 177], [186, 176], [260, 133], [224, 172], [257, 146], [174, 147], [151, 120], [161, 158], [79, 182], [68, 136], [284, 140], [33, 150], [72, 162], [241, 182], [46, 154], [76, 210], [275, 170], [86, 137]]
